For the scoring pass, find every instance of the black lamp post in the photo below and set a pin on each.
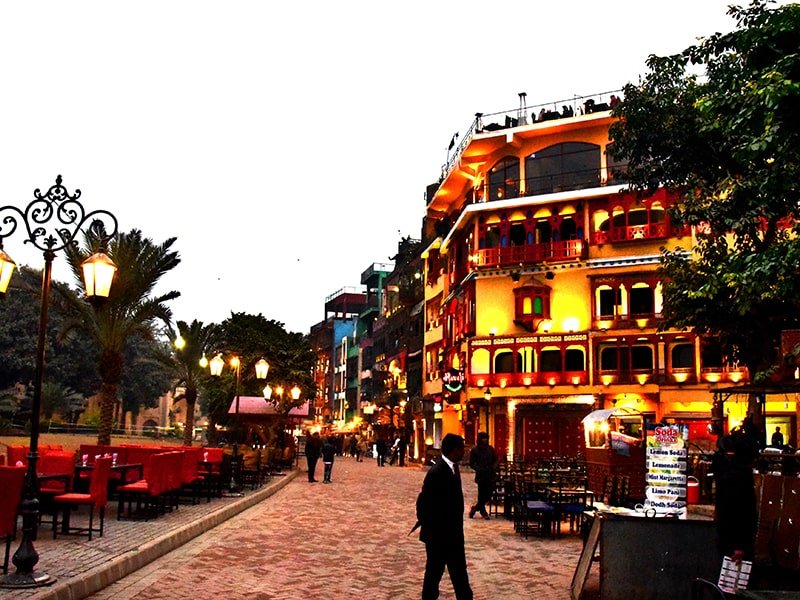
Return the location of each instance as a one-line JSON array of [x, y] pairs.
[[51, 220], [215, 366]]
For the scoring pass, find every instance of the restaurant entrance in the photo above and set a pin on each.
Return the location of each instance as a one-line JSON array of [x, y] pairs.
[[552, 431]]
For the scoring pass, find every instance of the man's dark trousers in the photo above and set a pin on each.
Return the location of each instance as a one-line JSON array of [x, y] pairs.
[[451, 555], [312, 466]]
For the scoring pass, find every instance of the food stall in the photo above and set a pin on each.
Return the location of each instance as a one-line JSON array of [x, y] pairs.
[[615, 454]]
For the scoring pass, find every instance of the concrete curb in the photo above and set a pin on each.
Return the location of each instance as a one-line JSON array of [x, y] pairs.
[[86, 584]]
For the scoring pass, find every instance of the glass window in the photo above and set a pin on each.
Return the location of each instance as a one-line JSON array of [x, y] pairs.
[[616, 168], [562, 167], [504, 179], [538, 306]]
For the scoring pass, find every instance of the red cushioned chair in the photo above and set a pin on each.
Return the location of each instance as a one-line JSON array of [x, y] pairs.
[[191, 479], [58, 469], [11, 482], [18, 453], [95, 499], [157, 492]]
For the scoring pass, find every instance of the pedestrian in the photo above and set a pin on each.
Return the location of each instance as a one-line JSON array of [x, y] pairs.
[[354, 446], [328, 454], [381, 448], [402, 449], [777, 438], [736, 514], [395, 449], [483, 460], [313, 449], [363, 448], [440, 517]]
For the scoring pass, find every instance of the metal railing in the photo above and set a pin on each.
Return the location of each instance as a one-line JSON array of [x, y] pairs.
[[518, 117]]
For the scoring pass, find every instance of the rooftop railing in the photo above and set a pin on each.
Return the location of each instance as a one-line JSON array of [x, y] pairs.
[[518, 117]]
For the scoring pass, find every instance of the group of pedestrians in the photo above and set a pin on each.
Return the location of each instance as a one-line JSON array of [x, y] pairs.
[[316, 447]]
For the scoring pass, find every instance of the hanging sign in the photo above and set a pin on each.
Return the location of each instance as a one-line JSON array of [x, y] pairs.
[[453, 380], [665, 490]]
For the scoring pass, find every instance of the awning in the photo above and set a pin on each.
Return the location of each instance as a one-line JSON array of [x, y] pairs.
[[604, 413]]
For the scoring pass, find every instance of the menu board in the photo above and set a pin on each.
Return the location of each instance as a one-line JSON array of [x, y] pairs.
[[665, 489]]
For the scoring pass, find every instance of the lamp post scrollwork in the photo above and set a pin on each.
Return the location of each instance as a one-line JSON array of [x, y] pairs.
[[51, 222]]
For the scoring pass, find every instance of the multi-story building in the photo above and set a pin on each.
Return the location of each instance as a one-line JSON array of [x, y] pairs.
[[542, 295], [371, 384], [329, 340]]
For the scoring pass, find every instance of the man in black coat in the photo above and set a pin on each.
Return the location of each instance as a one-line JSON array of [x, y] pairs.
[[483, 460], [313, 449], [440, 515]]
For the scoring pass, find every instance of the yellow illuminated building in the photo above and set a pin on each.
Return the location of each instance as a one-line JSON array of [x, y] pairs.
[[541, 287]]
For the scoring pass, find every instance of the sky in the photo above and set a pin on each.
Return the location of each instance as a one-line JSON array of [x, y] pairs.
[[287, 145]]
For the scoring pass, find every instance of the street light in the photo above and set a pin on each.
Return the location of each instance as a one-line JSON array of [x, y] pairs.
[[52, 221], [216, 365]]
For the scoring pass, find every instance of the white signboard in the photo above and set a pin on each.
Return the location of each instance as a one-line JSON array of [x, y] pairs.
[[665, 490]]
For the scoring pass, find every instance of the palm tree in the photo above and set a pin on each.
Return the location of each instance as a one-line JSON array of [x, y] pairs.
[[195, 340], [130, 309]]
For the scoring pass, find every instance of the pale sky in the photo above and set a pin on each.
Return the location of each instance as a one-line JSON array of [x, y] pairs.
[[285, 144]]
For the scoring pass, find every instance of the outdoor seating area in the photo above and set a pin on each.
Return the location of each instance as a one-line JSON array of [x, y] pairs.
[[544, 497], [146, 482]]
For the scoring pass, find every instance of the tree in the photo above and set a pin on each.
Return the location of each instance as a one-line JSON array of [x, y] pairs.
[[69, 363], [145, 378], [729, 141], [184, 362], [130, 310], [252, 337]]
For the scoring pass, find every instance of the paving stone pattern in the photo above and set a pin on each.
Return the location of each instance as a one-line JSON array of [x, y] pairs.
[[347, 540]]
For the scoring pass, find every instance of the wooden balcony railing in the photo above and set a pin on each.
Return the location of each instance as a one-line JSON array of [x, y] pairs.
[[533, 253]]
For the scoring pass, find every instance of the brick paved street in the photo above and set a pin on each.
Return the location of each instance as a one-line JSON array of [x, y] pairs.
[[347, 540]]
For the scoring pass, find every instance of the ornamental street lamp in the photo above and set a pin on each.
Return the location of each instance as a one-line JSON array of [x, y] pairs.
[[52, 221], [216, 365]]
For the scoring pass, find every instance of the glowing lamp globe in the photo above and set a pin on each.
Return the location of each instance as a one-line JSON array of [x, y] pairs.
[[98, 273]]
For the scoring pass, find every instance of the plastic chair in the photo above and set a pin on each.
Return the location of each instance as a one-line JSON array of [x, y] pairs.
[[95, 499], [11, 482]]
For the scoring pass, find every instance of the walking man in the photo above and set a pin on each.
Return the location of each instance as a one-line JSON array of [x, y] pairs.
[[313, 449], [328, 454], [483, 460], [440, 516]]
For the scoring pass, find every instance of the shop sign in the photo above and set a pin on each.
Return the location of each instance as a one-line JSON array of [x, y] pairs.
[[453, 380], [665, 490]]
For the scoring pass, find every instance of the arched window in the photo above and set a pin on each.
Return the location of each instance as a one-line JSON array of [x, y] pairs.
[[525, 359], [480, 362], [504, 179], [504, 361], [574, 360], [641, 299], [642, 358], [550, 359], [563, 167], [682, 356]]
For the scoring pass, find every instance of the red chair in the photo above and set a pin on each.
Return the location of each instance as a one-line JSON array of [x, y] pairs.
[[95, 499], [11, 482], [191, 480], [18, 454], [157, 491]]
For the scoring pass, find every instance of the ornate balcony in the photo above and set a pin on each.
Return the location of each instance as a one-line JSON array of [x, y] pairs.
[[530, 254]]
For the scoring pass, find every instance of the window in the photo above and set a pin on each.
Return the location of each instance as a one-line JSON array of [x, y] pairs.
[[550, 360], [607, 301], [609, 361], [574, 360], [517, 234], [531, 305], [504, 179], [682, 356], [711, 355], [562, 167], [504, 361], [642, 358], [641, 299]]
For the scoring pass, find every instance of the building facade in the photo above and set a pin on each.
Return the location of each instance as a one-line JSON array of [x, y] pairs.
[[542, 294]]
